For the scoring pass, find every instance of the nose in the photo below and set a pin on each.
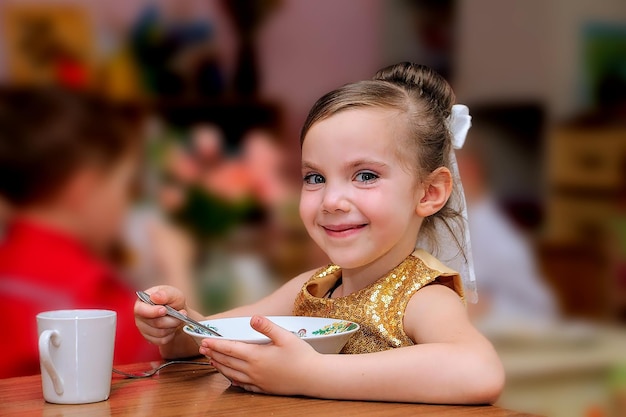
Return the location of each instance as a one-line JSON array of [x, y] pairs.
[[335, 199]]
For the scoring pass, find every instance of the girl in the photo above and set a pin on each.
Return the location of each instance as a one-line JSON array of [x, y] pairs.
[[376, 160]]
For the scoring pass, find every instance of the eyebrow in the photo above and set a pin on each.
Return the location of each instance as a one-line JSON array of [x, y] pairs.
[[309, 165], [352, 165], [367, 162]]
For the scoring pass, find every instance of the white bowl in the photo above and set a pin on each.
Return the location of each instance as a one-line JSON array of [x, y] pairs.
[[325, 335]]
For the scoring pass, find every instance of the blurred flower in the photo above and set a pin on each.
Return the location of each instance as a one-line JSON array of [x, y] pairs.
[[181, 166], [210, 192], [207, 142], [230, 181], [171, 197]]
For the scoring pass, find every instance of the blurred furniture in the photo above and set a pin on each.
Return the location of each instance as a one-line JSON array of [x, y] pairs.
[[189, 390], [564, 371], [586, 167], [579, 275]]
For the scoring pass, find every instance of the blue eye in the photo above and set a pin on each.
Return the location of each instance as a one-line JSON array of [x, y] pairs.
[[314, 179], [366, 176]]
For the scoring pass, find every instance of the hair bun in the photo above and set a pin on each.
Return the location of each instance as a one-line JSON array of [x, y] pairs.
[[426, 81]]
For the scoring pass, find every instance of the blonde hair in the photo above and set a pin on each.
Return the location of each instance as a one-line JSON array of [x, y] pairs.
[[426, 99]]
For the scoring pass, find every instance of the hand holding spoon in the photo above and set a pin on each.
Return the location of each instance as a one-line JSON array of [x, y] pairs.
[[145, 297]]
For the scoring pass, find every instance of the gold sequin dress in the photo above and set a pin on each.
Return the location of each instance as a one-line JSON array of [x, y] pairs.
[[378, 308]]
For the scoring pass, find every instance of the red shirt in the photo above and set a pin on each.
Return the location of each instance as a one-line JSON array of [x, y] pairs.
[[42, 269]]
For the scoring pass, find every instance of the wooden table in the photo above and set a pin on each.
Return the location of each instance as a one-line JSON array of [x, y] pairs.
[[188, 390]]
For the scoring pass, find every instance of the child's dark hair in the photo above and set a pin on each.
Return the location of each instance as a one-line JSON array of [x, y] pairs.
[[425, 98], [48, 133]]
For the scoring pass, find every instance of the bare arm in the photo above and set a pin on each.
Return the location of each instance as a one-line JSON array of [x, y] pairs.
[[167, 333], [450, 363]]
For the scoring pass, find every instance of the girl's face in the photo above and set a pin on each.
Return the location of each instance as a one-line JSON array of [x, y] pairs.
[[359, 197]]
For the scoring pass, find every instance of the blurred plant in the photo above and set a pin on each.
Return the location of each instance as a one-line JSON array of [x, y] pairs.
[[210, 193], [175, 52]]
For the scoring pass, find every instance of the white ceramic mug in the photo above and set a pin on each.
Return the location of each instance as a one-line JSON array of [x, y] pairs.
[[76, 355]]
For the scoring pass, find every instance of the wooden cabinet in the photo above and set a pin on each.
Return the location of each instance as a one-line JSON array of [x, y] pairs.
[[587, 159], [586, 185], [586, 170]]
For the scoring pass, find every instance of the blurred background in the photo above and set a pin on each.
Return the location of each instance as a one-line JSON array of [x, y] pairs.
[[227, 85]]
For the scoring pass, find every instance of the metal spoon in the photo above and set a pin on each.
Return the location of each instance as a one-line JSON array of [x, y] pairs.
[[154, 371], [145, 297]]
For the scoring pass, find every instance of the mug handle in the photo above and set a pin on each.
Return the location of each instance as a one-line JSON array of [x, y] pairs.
[[46, 338]]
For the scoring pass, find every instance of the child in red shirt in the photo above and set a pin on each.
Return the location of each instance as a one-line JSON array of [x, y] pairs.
[[67, 163]]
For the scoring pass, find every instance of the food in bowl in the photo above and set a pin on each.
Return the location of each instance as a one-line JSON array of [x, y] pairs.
[[325, 335]]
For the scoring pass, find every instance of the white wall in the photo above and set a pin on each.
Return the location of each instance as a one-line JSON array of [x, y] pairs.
[[311, 47], [501, 50], [527, 50]]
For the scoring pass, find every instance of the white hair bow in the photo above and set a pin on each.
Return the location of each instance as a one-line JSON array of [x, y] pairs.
[[446, 248], [459, 123]]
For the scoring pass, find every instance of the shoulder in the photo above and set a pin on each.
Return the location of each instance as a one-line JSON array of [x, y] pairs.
[[299, 281], [435, 313], [440, 273]]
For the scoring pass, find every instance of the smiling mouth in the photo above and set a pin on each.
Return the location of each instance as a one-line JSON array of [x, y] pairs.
[[343, 228]]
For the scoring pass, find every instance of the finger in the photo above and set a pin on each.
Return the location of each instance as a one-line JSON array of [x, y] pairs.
[[165, 294], [167, 324], [237, 378], [159, 330], [225, 360], [277, 334], [247, 387], [147, 311], [161, 340], [251, 388], [230, 348], [153, 333]]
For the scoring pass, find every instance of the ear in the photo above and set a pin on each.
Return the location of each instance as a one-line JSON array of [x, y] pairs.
[[437, 189]]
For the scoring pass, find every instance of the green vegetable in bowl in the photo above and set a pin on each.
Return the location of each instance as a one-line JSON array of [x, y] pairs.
[[337, 327]]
